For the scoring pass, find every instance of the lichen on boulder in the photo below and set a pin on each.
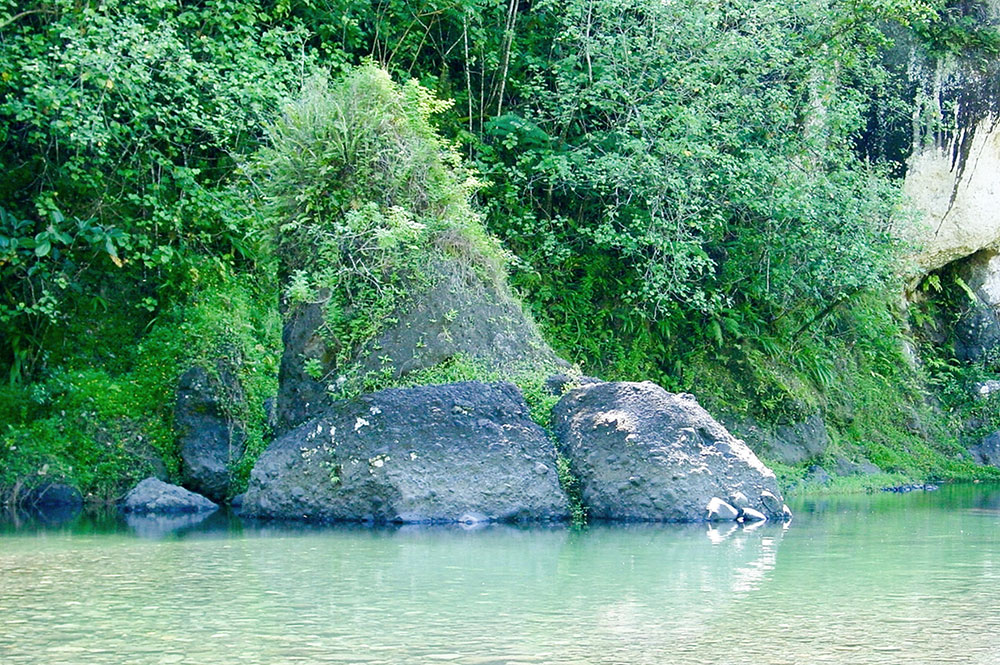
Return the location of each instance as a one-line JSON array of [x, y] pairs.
[[465, 452]]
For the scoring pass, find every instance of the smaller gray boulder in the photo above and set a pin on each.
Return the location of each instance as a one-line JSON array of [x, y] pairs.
[[53, 495], [155, 496], [643, 454]]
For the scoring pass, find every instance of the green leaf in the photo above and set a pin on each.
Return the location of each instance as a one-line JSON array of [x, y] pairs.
[[42, 249], [968, 291]]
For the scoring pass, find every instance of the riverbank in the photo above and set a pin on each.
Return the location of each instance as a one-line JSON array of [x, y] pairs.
[[172, 306]]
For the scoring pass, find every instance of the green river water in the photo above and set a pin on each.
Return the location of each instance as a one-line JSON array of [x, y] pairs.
[[879, 578]]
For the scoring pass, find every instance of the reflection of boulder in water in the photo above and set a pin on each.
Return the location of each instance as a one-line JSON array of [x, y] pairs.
[[722, 564], [158, 526], [56, 514], [718, 535], [987, 500]]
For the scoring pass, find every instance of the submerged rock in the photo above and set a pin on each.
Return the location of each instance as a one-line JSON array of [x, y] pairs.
[[917, 487], [641, 453], [465, 452], [153, 496], [210, 442]]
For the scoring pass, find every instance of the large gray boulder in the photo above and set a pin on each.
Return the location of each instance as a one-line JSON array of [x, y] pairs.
[[643, 454], [153, 496], [450, 453], [210, 441]]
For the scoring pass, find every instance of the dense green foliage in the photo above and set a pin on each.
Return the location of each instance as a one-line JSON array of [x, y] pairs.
[[702, 194], [121, 236], [690, 200], [120, 124], [361, 195]]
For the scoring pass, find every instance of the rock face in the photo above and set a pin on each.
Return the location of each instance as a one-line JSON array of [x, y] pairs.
[[817, 475], [977, 332], [951, 171], [462, 452], [153, 496], [987, 451], [791, 443], [845, 467], [641, 453], [952, 139], [958, 199], [210, 441], [460, 313]]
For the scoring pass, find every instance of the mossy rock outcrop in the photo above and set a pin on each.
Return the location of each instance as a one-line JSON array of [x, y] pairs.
[[385, 264], [458, 314]]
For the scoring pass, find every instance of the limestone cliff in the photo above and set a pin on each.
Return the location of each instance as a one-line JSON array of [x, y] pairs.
[[953, 171]]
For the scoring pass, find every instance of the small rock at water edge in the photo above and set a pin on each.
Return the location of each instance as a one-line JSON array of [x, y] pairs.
[[155, 496], [719, 510]]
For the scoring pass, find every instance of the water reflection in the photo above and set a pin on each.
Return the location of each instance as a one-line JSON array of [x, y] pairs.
[[160, 526], [847, 583]]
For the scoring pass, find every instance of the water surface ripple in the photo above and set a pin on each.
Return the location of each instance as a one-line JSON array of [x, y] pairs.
[[859, 580]]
